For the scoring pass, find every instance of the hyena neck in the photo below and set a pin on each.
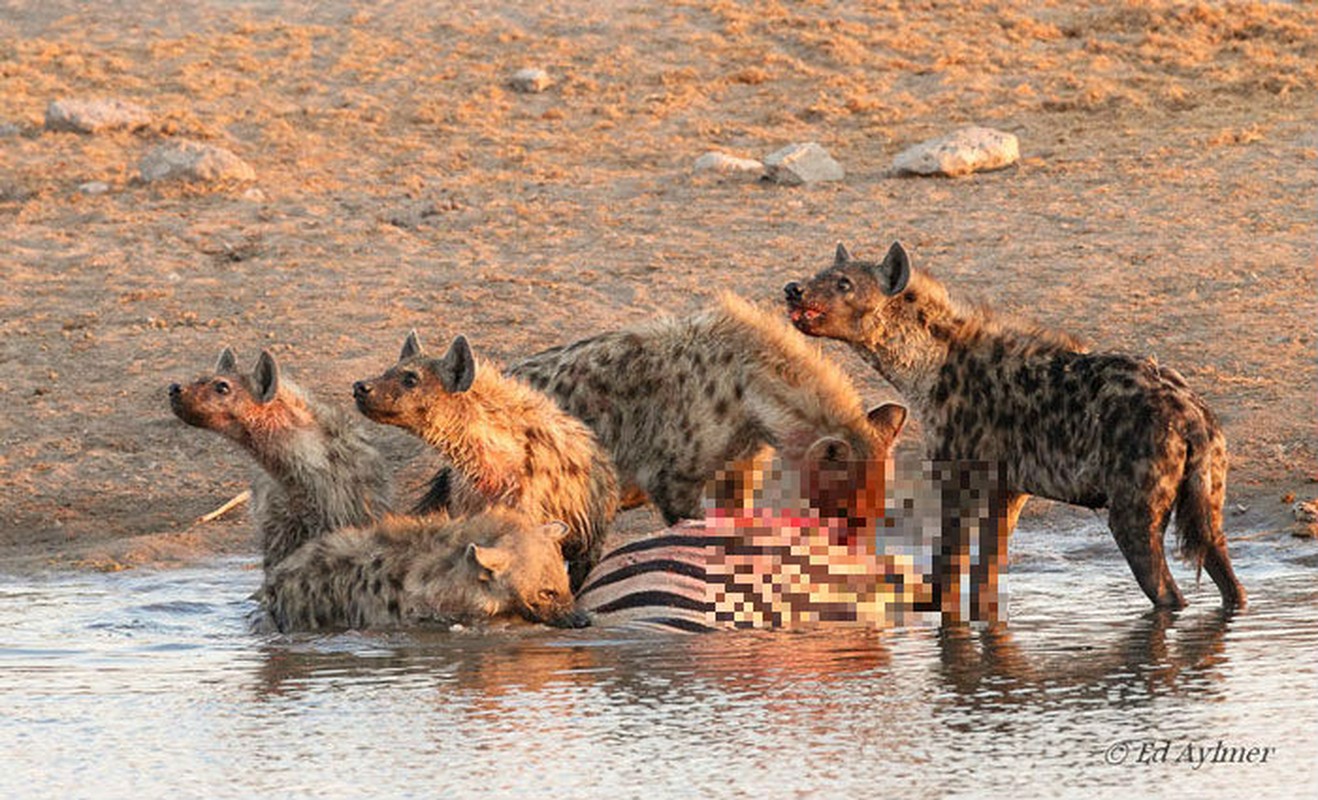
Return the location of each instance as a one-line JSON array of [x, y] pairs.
[[910, 363], [481, 438]]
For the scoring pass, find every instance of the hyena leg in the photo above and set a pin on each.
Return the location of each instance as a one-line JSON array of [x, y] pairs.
[[995, 527], [951, 563], [1138, 525], [676, 496]]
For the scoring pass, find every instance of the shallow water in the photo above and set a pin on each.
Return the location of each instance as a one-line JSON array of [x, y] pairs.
[[148, 684]]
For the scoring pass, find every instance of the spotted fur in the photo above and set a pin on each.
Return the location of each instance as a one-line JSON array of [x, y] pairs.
[[319, 470], [509, 445], [675, 400], [1092, 429], [405, 572]]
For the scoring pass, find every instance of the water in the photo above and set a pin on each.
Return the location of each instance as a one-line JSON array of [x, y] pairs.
[[148, 684]]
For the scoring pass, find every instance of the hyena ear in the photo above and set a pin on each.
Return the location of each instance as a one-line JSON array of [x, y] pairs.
[[266, 377], [557, 531], [842, 256], [411, 346], [895, 271], [888, 419], [490, 560], [226, 362], [828, 450], [457, 369]]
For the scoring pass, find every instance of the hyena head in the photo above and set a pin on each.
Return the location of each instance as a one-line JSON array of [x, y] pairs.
[[418, 387], [867, 301], [841, 483], [524, 573], [245, 408]]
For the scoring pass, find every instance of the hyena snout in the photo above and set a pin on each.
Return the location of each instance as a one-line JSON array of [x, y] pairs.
[[571, 618], [175, 390], [361, 390], [795, 294]]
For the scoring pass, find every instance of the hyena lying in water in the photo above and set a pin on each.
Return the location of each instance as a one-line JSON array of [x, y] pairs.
[[1095, 430], [509, 445], [675, 400], [431, 570], [783, 551], [319, 471]]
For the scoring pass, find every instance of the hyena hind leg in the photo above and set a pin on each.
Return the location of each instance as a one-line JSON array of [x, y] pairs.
[[1138, 527]]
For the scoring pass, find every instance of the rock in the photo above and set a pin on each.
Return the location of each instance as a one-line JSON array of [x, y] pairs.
[[95, 116], [1305, 512], [960, 153], [9, 129], [530, 80], [193, 161], [94, 187], [798, 164], [730, 166]]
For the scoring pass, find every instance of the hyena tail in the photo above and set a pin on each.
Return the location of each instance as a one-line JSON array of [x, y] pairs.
[[1199, 503]]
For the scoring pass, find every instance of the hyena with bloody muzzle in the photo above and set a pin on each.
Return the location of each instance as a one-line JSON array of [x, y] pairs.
[[1091, 429], [676, 400], [509, 445], [319, 470], [497, 565]]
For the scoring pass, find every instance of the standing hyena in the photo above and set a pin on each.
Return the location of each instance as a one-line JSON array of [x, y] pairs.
[[410, 571], [318, 471], [676, 400], [509, 444], [1095, 430]]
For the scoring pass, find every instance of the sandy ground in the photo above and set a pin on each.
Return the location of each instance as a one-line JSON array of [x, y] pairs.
[[1164, 205]]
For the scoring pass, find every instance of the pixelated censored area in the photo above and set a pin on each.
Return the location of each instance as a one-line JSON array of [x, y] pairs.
[[774, 570], [957, 516]]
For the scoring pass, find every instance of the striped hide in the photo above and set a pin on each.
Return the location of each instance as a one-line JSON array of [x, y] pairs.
[[752, 568]]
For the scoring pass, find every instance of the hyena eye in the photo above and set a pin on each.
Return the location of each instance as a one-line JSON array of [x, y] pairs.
[[410, 380], [844, 285], [221, 387]]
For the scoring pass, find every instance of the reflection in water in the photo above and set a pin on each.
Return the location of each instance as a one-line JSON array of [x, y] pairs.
[[138, 684]]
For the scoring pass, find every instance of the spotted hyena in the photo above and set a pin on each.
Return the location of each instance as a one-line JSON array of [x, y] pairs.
[[675, 400], [509, 445], [413, 571], [319, 470], [1092, 429]]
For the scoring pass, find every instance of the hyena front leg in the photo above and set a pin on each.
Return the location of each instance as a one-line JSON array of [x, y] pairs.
[[1138, 524], [677, 495], [1001, 511]]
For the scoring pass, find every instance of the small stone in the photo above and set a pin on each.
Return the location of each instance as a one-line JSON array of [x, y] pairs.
[[798, 164], [9, 130], [730, 166], [530, 80], [1306, 512], [193, 161], [95, 116], [960, 153], [94, 187], [254, 195]]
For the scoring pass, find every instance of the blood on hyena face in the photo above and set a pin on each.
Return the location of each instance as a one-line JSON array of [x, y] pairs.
[[405, 394], [837, 302]]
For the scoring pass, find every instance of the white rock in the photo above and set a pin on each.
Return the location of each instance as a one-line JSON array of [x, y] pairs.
[[960, 153], [94, 187], [94, 116], [193, 161], [731, 166], [796, 164], [530, 80]]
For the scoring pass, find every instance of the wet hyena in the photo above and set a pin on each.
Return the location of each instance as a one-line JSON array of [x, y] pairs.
[[1091, 429], [413, 571], [509, 445], [675, 400], [319, 470]]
